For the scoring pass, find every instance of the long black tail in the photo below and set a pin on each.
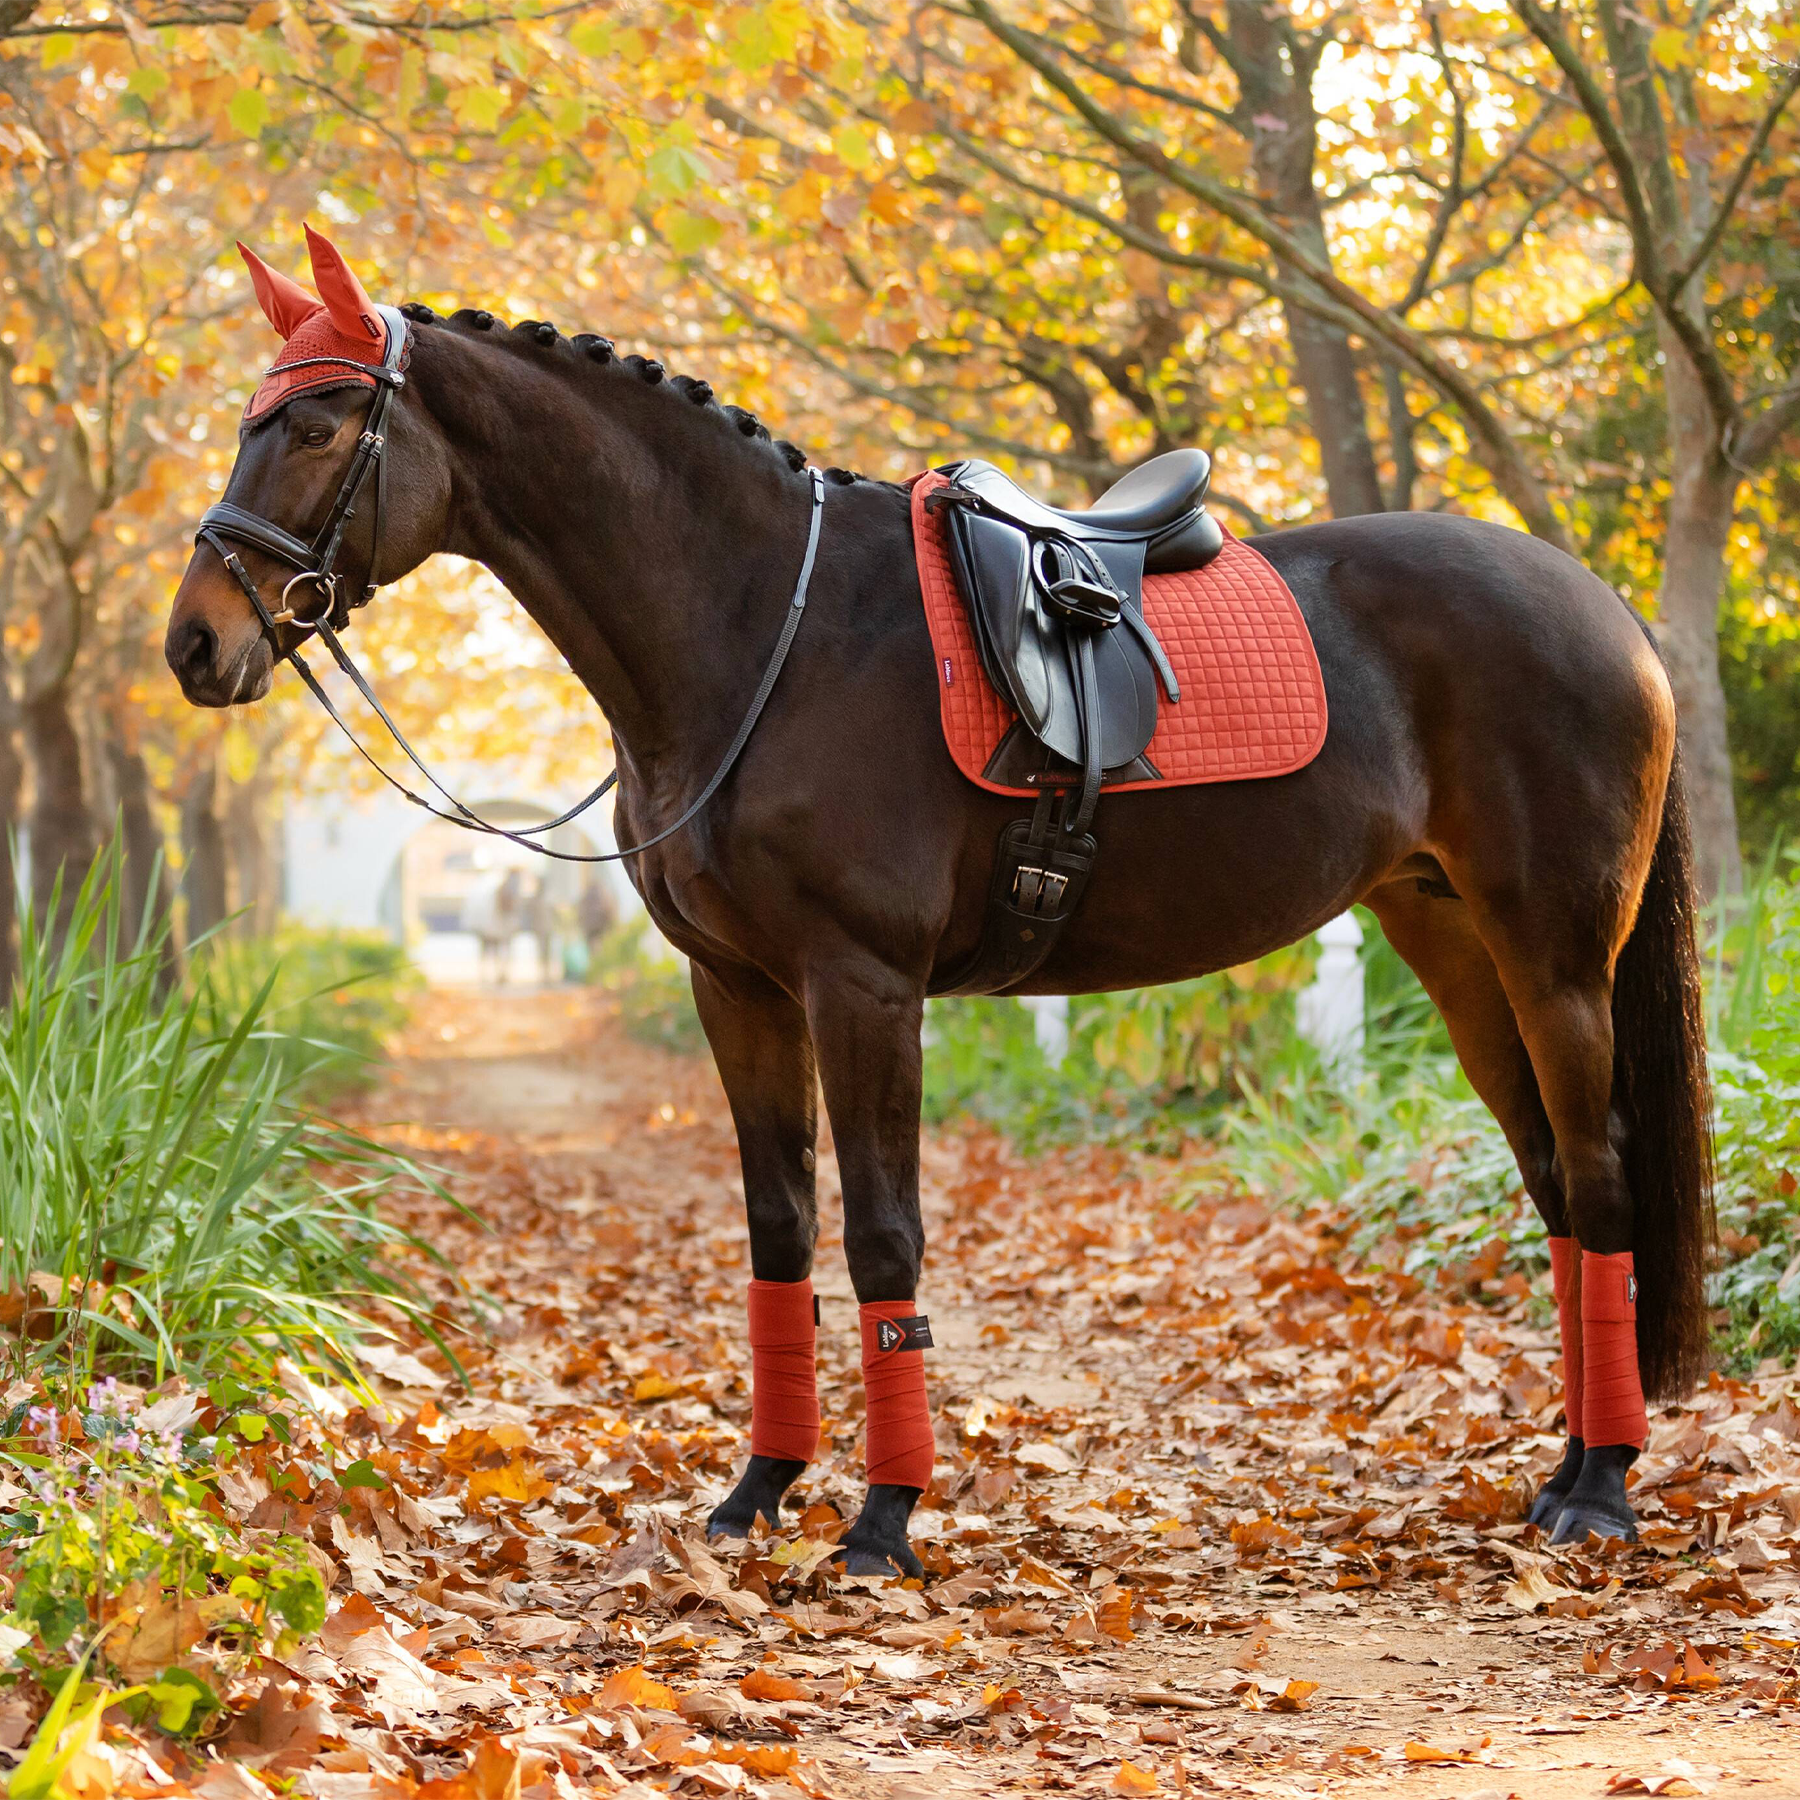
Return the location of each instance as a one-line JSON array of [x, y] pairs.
[[1663, 1096]]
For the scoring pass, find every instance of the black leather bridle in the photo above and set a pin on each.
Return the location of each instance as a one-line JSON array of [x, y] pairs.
[[315, 564]]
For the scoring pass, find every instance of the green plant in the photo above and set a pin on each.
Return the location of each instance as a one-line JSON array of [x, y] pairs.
[[121, 1555], [335, 997], [655, 995], [165, 1203]]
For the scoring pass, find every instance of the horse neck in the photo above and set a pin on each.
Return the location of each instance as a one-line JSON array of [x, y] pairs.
[[655, 546]]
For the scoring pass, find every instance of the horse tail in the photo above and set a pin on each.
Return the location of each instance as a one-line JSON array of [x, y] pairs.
[[1662, 1095]]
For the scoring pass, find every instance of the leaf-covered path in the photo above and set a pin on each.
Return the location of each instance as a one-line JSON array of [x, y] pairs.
[[1211, 1514]]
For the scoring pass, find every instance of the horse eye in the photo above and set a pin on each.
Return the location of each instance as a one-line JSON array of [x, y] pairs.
[[317, 435]]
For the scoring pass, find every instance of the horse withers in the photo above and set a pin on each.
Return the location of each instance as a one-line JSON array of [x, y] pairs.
[[1499, 784]]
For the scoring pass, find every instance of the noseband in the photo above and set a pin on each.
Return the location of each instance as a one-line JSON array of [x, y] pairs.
[[314, 564]]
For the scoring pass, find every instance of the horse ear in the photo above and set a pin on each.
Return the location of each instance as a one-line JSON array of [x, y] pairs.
[[352, 311], [285, 303]]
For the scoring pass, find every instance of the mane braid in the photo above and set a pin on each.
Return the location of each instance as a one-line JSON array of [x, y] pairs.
[[587, 346]]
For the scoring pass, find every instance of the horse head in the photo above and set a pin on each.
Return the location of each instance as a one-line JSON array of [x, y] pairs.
[[338, 484]]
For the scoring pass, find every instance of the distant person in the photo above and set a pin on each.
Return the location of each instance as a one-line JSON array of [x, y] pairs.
[[540, 921], [492, 914]]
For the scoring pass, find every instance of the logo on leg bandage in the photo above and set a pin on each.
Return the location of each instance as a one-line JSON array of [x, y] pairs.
[[903, 1334]]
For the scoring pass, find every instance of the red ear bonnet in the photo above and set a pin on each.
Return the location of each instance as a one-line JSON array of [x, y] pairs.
[[352, 311], [285, 303], [330, 335]]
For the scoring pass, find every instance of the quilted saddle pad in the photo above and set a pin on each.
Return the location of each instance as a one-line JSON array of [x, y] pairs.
[[1252, 697]]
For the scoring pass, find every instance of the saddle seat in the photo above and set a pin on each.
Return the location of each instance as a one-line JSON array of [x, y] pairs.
[[1055, 599], [1162, 502]]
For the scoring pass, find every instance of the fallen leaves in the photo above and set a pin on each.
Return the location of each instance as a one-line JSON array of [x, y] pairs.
[[1190, 1455]]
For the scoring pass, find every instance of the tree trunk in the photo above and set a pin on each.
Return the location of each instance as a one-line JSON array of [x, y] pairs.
[[12, 778], [1274, 67], [63, 839], [254, 893], [203, 855], [146, 900], [1703, 490], [1326, 365]]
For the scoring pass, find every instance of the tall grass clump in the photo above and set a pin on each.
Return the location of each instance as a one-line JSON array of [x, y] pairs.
[[167, 1202]]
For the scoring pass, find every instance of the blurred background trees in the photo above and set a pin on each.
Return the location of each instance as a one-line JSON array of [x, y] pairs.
[[1519, 260]]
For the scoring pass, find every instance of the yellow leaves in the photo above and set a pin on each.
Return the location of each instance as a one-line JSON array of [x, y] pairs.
[[1128, 1778], [478, 108], [514, 1483], [248, 111], [655, 1387], [853, 146]]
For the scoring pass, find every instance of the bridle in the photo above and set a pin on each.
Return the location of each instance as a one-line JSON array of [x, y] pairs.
[[315, 564]]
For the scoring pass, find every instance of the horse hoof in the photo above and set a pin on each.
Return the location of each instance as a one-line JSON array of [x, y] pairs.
[[872, 1559], [1580, 1518], [876, 1544], [1547, 1508], [1597, 1503], [758, 1493], [1553, 1496]]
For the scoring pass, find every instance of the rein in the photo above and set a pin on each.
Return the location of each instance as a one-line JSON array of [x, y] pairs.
[[313, 563]]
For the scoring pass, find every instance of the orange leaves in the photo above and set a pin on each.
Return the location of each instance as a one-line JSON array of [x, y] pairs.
[[1259, 1535], [635, 1687], [1128, 1778], [765, 1684]]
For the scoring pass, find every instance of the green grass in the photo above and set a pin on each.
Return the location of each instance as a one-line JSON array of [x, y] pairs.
[[169, 1202]]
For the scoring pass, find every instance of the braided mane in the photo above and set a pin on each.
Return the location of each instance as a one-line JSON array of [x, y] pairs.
[[647, 369]]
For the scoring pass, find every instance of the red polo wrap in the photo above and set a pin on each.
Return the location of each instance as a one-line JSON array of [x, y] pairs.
[[784, 1389], [1612, 1401], [901, 1448], [1564, 1272]]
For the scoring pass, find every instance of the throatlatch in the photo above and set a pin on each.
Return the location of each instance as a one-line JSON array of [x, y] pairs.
[[901, 1448], [784, 1386], [1564, 1272], [1612, 1401]]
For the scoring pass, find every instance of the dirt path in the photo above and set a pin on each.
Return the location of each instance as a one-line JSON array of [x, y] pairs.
[[1208, 1517]]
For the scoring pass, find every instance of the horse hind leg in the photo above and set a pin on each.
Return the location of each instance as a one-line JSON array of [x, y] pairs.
[[1602, 973], [1437, 939]]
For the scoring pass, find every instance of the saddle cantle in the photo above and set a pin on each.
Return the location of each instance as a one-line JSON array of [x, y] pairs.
[[1056, 602]]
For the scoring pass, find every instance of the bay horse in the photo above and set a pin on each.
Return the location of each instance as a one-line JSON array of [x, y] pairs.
[[1499, 784]]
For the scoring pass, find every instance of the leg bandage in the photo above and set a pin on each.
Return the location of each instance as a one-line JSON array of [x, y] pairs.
[[900, 1450], [1564, 1272], [784, 1387], [1612, 1402]]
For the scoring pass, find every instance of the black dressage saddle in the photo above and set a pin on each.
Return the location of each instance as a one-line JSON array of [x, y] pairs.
[[1055, 600]]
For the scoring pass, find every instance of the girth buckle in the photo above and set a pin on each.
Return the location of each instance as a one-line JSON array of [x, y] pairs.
[[1038, 891]]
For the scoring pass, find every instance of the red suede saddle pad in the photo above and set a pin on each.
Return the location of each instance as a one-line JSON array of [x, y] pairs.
[[1252, 697]]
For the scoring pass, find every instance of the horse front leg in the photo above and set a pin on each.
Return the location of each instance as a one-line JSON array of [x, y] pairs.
[[865, 1021], [760, 1043]]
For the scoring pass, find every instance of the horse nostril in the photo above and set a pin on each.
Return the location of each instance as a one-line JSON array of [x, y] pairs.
[[197, 651]]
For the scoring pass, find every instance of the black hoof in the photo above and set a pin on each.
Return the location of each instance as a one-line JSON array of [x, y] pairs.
[[1553, 1496], [876, 1544], [759, 1490], [1596, 1503]]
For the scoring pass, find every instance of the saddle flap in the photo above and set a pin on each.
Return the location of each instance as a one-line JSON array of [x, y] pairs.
[[1029, 652]]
